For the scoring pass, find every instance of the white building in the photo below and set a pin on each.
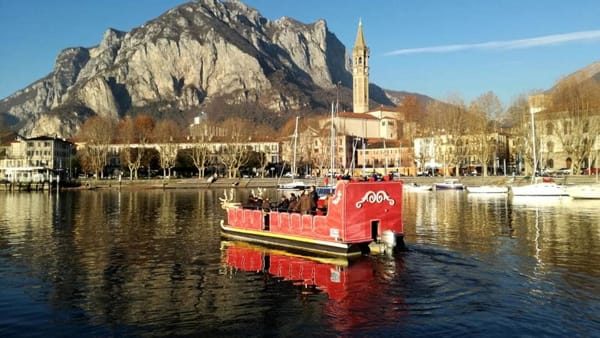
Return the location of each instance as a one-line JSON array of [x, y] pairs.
[[35, 159]]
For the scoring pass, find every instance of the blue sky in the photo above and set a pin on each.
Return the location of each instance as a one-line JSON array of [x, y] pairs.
[[433, 47]]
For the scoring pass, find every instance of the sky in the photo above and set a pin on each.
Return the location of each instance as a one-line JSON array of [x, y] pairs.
[[437, 48]]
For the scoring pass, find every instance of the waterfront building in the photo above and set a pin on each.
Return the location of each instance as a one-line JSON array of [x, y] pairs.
[[36, 159]]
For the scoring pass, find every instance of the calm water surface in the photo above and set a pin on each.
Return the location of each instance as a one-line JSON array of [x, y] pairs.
[[152, 263]]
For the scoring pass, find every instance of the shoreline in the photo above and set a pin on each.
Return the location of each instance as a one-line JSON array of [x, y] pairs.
[[195, 183]]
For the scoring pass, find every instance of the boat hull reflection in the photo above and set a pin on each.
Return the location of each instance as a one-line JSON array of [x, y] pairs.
[[337, 277]]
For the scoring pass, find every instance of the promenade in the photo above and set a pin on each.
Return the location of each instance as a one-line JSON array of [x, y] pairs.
[[195, 183]]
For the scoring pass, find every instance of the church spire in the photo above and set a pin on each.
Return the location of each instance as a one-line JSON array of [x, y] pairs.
[[360, 73], [360, 38]]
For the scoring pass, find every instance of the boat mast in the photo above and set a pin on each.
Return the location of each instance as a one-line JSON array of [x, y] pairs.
[[533, 144], [332, 146], [295, 145]]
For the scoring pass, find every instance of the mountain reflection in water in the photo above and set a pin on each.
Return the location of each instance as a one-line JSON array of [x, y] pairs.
[[152, 262]]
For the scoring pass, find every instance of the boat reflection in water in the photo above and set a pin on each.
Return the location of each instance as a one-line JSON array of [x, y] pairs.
[[352, 285]]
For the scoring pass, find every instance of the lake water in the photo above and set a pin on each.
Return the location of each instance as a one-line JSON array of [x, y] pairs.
[[152, 263]]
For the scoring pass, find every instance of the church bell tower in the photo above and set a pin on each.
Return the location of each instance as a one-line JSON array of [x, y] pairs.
[[360, 73]]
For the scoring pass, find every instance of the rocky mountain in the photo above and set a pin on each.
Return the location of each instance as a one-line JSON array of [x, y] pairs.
[[221, 57]]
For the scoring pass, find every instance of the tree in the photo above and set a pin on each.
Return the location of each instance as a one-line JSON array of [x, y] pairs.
[[234, 154], [448, 122], [165, 134], [518, 117], [575, 108], [484, 113], [96, 134], [200, 152], [134, 133]]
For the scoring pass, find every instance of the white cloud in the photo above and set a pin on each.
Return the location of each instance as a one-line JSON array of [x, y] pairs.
[[505, 45]]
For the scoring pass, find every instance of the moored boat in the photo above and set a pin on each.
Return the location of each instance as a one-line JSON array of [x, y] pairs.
[[451, 183], [488, 189], [294, 185], [539, 189], [361, 217], [584, 191], [417, 187]]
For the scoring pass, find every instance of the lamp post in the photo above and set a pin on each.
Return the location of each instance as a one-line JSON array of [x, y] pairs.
[[364, 147], [354, 144]]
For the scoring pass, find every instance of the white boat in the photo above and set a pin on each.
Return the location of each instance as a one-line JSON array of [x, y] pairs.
[[539, 189], [451, 183], [416, 187], [295, 185], [584, 191], [488, 189]]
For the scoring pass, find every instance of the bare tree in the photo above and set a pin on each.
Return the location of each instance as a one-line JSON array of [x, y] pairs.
[[448, 122], [575, 112], [235, 153], [484, 113], [264, 132], [165, 135], [200, 151], [96, 133], [518, 118]]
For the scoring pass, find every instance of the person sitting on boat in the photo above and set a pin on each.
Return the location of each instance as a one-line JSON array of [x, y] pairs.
[[266, 205], [283, 204], [294, 205], [307, 204], [253, 202]]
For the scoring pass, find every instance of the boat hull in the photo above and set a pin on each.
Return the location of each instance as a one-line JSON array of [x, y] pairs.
[[417, 188], [443, 186], [295, 243], [449, 184], [584, 192], [539, 189], [487, 189]]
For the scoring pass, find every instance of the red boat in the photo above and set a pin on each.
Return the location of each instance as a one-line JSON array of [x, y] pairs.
[[361, 217]]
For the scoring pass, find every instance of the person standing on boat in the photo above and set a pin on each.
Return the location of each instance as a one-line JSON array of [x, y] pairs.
[[294, 205], [315, 198], [266, 207]]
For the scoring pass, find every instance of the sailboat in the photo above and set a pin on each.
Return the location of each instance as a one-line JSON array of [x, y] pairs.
[[295, 184], [536, 188], [581, 191], [329, 188]]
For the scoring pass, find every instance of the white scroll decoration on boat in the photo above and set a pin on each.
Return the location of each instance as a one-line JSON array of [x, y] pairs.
[[337, 198], [375, 197]]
